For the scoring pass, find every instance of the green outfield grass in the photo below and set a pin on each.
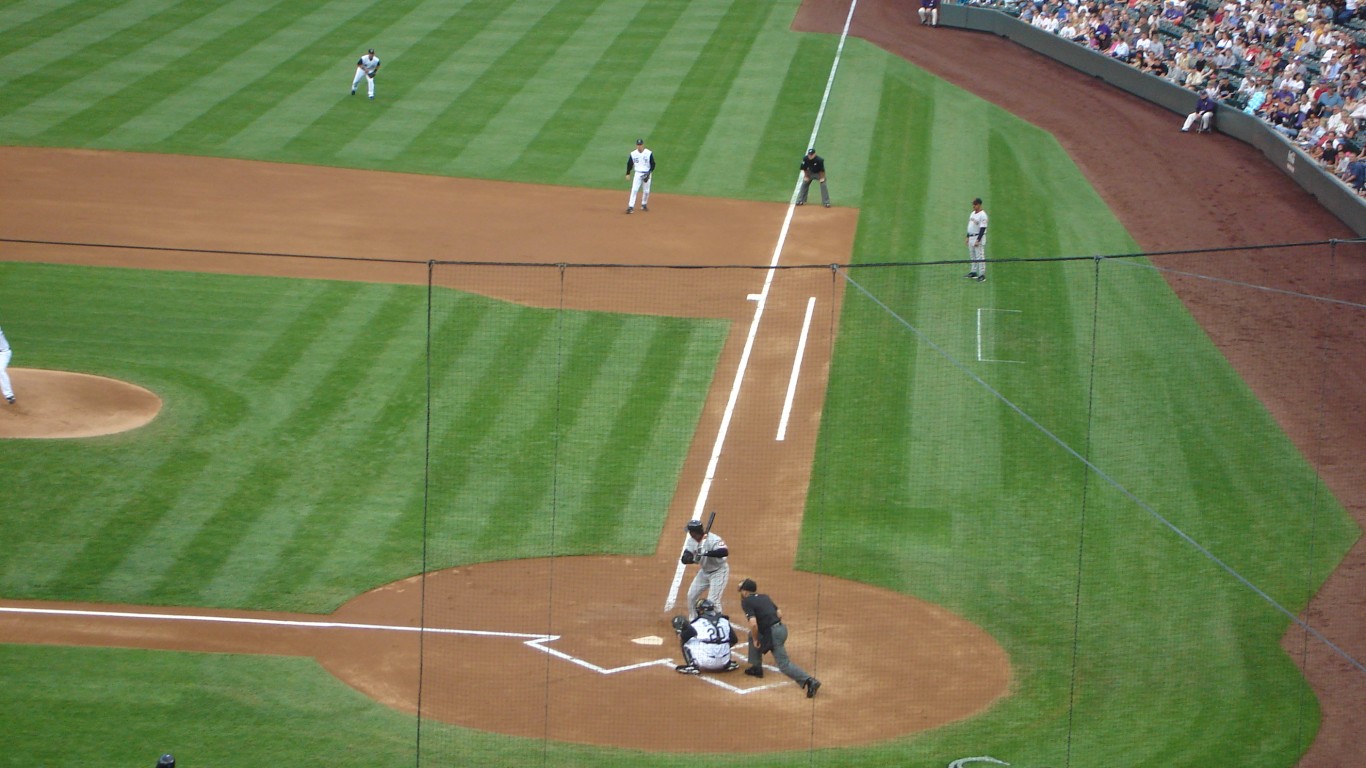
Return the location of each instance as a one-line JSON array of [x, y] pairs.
[[286, 469]]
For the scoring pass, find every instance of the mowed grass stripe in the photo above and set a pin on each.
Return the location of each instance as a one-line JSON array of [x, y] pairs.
[[315, 117], [467, 429], [235, 451], [328, 485], [232, 58], [689, 116], [522, 53], [61, 34], [113, 56], [607, 52], [31, 21], [434, 70], [326, 381], [255, 79], [628, 419]]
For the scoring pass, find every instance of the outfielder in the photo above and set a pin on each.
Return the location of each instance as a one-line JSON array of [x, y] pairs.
[[713, 572], [706, 641], [977, 241], [366, 67], [5, 388], [641, 163]]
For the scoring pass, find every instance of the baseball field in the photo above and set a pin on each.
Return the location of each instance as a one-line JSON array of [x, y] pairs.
[[359, 432]]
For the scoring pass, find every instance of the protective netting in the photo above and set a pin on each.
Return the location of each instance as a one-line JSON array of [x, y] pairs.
[[1073, 514]]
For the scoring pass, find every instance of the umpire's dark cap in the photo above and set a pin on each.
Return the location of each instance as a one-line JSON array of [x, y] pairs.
[[811, 151], [748, 585]]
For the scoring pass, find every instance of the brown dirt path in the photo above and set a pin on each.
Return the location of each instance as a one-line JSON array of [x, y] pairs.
[[877, 685], [1177, 191]]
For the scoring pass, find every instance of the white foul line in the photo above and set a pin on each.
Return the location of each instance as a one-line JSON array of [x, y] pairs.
[[761, 300], [981, 359], [796, 369]]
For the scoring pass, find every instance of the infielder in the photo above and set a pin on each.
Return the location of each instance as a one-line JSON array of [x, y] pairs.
[[706, 641], [641, 163], [977, 241], [5, 353], [713, 572], [366, 67]]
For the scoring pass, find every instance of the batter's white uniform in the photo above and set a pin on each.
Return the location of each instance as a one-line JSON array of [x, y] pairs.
[[5, 388], [712, 572], [710, 649], [641, 165], [365, 67], [977, 246]]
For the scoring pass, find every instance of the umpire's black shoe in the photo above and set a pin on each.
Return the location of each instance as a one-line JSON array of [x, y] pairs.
[[755, 671], [812, 685]]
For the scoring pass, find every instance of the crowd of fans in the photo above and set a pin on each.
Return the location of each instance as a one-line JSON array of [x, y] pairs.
[[1299, 65]]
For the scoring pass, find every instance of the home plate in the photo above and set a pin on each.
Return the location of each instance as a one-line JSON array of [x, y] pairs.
[[649, 640]]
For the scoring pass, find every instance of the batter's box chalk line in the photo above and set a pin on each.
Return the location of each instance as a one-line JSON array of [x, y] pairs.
[[717, 679]]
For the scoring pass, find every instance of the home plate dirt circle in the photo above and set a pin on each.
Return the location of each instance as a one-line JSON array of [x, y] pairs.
[[544, 649]]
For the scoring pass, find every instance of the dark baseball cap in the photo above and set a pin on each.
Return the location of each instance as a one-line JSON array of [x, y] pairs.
[[748, 585], [639, 142], [811, 151]]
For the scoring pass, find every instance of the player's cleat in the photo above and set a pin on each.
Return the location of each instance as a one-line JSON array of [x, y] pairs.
[[971, 275], [372, 98], [9, 399], [645, 209], [827, 205], [353, 91], [687, 669], [801, 202], [628, 210], [981, 278], [755, 671], [812, 685], [731, 666]]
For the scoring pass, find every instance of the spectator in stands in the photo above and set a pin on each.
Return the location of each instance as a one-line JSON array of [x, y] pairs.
[[1356, 172]]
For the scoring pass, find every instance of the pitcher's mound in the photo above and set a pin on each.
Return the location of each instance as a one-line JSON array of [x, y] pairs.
[[66, 404]]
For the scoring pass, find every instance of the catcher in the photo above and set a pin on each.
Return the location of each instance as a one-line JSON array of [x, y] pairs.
[[641, 163], [706, 641], [366, 67]]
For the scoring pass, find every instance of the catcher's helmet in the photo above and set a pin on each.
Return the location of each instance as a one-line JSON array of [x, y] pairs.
[[705, 606], [695, 525]]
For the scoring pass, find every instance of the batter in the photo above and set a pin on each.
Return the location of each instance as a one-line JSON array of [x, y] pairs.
[[713, 572]]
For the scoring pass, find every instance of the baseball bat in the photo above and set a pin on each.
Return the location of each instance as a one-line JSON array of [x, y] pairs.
[[678, 570]]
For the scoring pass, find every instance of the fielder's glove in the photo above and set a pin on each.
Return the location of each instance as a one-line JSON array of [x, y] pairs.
[[644, 177], [688, 558]]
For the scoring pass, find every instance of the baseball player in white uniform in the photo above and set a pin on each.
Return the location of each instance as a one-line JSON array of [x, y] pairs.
[[977, 241], [640, 164], [366, 67], [706, 641], [5, 353], [713, 566]]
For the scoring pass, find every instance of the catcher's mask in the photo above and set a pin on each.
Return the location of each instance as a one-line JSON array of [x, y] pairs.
[[705, 606]]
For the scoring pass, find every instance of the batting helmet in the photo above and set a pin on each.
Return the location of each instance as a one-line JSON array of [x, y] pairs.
[[166, 761], [695, 525]]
